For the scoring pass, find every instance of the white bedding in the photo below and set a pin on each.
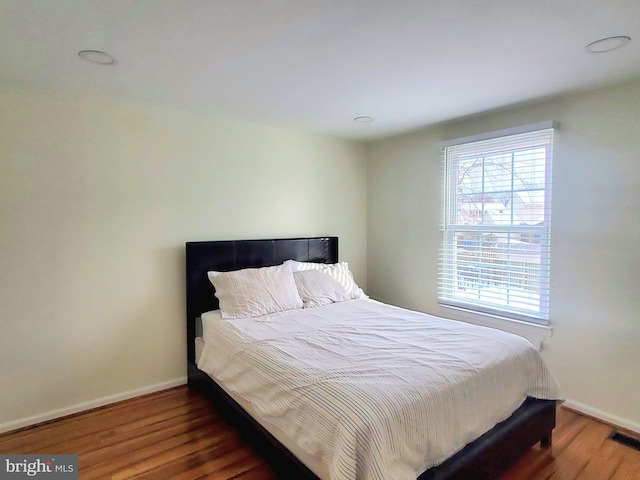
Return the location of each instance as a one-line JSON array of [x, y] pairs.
[[375, 391]]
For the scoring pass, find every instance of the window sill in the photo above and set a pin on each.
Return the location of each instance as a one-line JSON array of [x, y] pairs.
[[536, 334]]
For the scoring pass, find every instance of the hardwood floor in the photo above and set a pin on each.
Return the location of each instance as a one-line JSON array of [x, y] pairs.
[[178, 434]]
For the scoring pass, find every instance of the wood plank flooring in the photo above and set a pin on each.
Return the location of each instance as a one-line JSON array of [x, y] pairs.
[[178, 434]]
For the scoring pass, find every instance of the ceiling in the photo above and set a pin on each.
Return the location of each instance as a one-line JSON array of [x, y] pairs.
[[317, 64]]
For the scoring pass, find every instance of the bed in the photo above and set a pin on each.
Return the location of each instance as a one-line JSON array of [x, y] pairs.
[[485, 457]]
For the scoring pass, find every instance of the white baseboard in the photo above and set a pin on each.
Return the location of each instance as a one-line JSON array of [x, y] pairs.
[[98, 402], [102, 401], [602, 415]]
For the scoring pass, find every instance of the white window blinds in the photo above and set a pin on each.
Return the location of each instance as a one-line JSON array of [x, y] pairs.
[[495, 255]]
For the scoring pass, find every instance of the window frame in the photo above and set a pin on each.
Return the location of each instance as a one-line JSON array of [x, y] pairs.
[[449, 263]]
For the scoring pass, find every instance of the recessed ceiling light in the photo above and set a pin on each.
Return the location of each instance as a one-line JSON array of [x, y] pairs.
[[96, 56], [607, 44], [364, 119]]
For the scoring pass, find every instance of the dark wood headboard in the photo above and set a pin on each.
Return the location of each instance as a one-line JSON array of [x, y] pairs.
[[227, 255]]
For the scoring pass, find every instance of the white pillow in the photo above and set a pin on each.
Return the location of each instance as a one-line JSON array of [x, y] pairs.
[[317, 288], [252, 292], [339, 271]]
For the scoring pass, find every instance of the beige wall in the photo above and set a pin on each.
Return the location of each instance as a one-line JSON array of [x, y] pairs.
[[96, 201], [595, 303]]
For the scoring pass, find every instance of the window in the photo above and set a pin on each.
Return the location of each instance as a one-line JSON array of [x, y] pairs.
[[495, 256]]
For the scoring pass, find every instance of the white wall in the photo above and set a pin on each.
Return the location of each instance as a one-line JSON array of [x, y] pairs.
[[595, 288], [98, 197], [96, 201]]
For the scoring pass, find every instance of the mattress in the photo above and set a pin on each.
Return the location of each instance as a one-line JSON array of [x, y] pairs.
[[312, 462], [364, 390]]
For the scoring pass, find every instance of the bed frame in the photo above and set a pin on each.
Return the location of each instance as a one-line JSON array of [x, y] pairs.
[[485, 458]]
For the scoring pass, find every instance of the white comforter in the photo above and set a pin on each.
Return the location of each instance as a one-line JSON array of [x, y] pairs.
[[376, 391]]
